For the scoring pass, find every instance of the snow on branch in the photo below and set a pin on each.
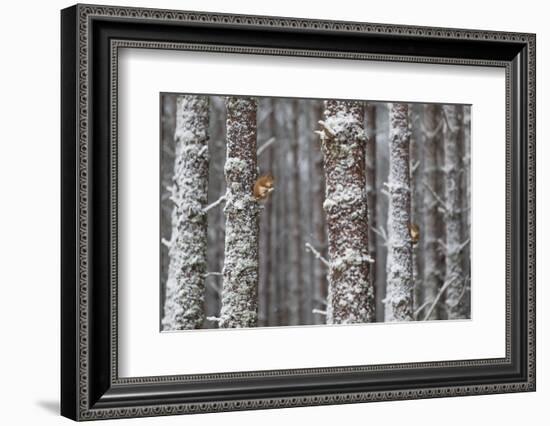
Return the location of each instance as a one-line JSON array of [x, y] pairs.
[[327, 129], [319, 311], [222, 199], [433, 133], [381, 232], [414, 167], [321, 301], [214, 204], [265, 145], [435, 195], [326, 133], [317, 254], [420, 308], [439, 294]]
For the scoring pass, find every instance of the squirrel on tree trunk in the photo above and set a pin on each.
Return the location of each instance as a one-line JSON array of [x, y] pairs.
[[263, 187]]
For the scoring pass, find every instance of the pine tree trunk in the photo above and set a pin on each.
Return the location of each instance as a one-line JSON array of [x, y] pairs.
[[280, 198], [240, 272], [216, 188], [432, 273], [417, 196], [399, 291], [454, 277], [185, 287], [370, 164], [351, 294], [305, 141], [466, 205], [296, 282]]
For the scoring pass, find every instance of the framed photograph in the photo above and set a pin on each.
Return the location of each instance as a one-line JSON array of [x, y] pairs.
[[263, 212]]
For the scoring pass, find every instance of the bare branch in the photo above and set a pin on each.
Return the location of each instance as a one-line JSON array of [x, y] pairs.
[[463, 245], [381, 233], [434, 194], [331, 133], [385, 192], [414, 167], [433, 133], [213, 274], [426, 303], [214, 204], [321, 301], [441, 291], [265, 145], [316, 253]]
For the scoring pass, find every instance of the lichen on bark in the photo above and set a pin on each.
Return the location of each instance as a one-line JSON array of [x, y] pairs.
[[399, 290], [184, 302], [240, 272], [351, 294]]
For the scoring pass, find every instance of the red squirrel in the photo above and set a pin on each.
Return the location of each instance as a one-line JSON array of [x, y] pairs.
[[263, 187]]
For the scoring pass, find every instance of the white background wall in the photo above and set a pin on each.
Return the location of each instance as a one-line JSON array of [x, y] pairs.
[[29, 214]]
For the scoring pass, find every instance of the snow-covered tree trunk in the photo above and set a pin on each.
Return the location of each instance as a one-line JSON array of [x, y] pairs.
[[417, 196], [399, 290], [216, 187], [432, 127], [184, 303], [240, 271], [466, 207], [454, 277], [351, 294]]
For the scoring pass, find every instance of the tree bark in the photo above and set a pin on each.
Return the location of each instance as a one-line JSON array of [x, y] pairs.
[[417, 197], [296, 282], [454, 277], [370, 174], [399, 292], [466, 204], [432, 127], [351, 294], [185, 287], [216, 188], [240, 272]]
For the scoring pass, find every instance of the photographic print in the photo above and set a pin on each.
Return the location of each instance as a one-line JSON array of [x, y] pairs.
[[289, 212]]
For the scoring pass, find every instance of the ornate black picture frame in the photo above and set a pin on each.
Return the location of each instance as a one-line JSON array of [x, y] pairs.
[[90, 385]]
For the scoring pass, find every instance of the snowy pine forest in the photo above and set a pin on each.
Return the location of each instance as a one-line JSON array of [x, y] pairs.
[[280, 211]]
